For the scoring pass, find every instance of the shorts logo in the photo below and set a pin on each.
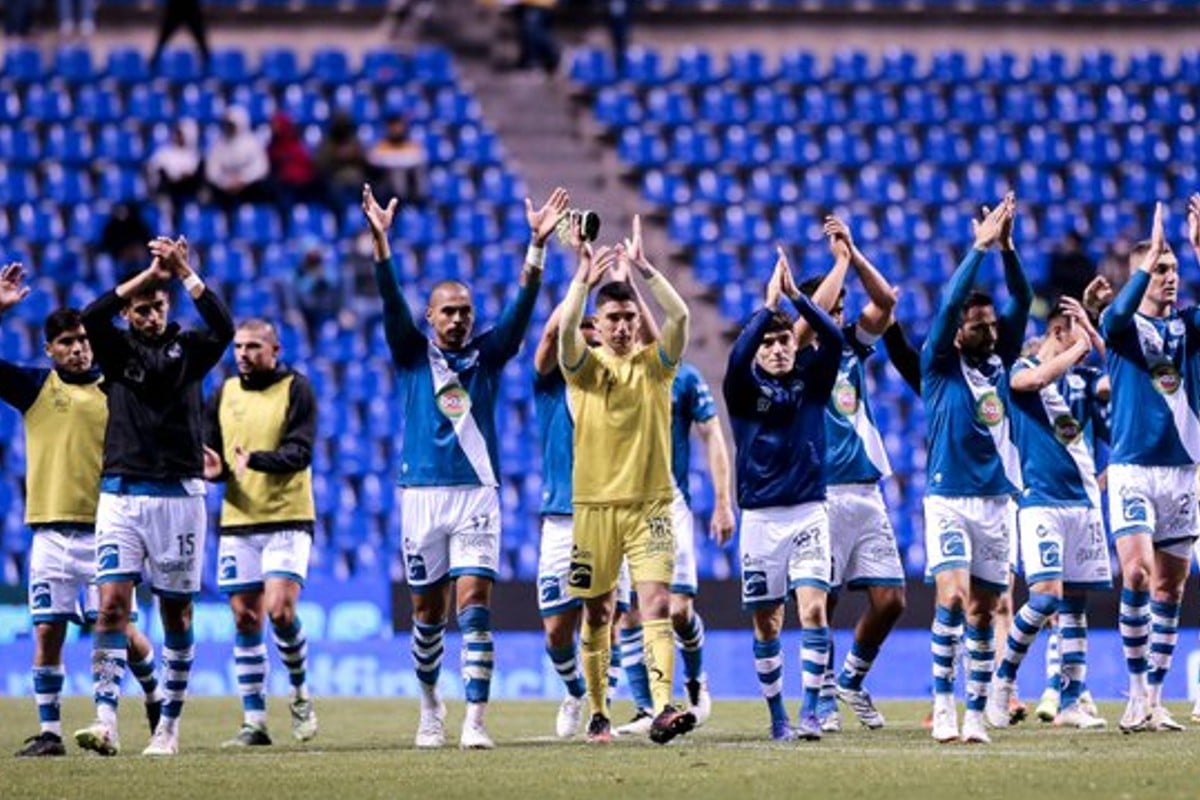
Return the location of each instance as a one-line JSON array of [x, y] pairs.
[[990, 409], [548, 589], [1133, 509], [228, 568], [454, 402], [1067, 429], [1090, 555], [1050, 554], [39, 596], [579, 576], [1166, 379], [662, 536], [108, 557], [953, 545], [754, 584], [416, 567], [845, 398]]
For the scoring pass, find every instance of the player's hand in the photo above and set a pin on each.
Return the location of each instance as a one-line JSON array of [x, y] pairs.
[[840, 249], [593, 264], [836, 228], [622, 268], [12, 287], [1082, 323], [212, 464], [1098, 295], [787, 283], [636, 250], [989, 229], [544, 220], [721, 525], [1008, 223], [1194, 221], [1158, 234], [241, 460], [775, 285], [170, 258], [379, 218]]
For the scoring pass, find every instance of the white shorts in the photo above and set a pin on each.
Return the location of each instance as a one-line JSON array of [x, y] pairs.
[[971, 533], [1159, 501], [165, 534], [554, 566], [62, 565], [245, 561], [1065, 544], [862, 541], [782, 549], [684, 580], [449, 531]]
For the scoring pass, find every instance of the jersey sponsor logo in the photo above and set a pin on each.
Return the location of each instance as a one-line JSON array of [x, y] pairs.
[[60, 398], [952, 544], [1067, 429], [1050, 554], [845, 398], [40, 598], [415, 565], [1133, 509], [548, 589], [579, 576], [989, 409], [228, 568], [134, 372], [108, 557], [174, 351], [1166, 379], [754, 584], [453, 401]]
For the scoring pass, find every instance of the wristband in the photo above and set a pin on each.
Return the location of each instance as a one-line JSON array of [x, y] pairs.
[[535, 256], [191, 282]]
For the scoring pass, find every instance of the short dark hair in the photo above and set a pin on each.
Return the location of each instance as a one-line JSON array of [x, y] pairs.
[[60, 321], [976, 299], [1057, 310], [615, 292], [779, 322], [150, 288]]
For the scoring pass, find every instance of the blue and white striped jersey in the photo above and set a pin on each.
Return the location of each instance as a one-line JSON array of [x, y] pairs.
[[557, 431], [691, 402], [854, 451]]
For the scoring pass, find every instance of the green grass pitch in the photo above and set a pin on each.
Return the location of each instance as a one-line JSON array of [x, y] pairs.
[[364, 750]]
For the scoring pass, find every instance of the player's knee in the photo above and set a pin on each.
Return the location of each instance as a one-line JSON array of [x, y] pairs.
[[247, 620], [597, 615], [767, 625], [681, 613], [1136, 575], [560, 636], [113, 614], [891, 604], [281, 613]]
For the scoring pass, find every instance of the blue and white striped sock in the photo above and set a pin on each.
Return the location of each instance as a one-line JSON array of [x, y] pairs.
[[814, 656], [981, 657], [147, 677], [768, 665], [478, 654], [691, 647], [250, 667], [1027, 623], [945, 636], [1134, 624], [1054, 657], [47, 690], [633, 661], [427, 649], [1072, 621], [108, 670], [856, 666], [566, 664], [292, 644], [1164, 634], [178, 653]]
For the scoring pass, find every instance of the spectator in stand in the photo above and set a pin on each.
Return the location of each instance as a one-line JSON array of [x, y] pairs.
[[18, 18], [173, 170], [76, 16], [125, 235], [538, 46], [318, 292], [293, 170], [342, 160], [237, 167], [177, 14], [620, 19], [401, 161]]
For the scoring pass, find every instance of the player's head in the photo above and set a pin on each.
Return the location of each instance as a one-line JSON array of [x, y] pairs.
[[588, 328], [147, 310], [978, 329], [618, 320], [1164, 275], [776, 354], [838, 312], [1060, 327], [67, 344], [451, 314], [256, 347]]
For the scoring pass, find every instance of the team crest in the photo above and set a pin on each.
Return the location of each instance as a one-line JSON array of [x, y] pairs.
[[40, 598], [454, 402], [1067, 429], [990, 409], [845, 398], [1166, 379]]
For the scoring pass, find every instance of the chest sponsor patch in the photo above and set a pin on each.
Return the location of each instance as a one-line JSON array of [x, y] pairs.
[[845, 398], [1166, 379], [453, 401], [989, 409], [1067, 429]]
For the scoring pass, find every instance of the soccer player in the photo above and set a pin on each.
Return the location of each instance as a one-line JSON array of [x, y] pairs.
[[973, 468], [258, 439], [1152, 466], [1063, 546], [776, 403], [864, 551], [620, 393], [450, 507], [151, 507], [64, 413]]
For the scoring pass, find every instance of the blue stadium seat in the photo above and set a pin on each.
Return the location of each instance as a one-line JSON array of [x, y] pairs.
[[330, 66], [279, 66], [180, 66], [229, 67], [127, 66], [23, 63], [73, 63], [383, 67]]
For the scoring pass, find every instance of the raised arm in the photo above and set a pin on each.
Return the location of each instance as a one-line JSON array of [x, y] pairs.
[[545, 357], [875, 318], [1119, 315], [830, 289], [1014, 316], [739, 387], [829, 353], [208, 343], [1038, 376], [300, 431], [674, 334], [903, 355], [571, 345], [404, 339], [19, 386]]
